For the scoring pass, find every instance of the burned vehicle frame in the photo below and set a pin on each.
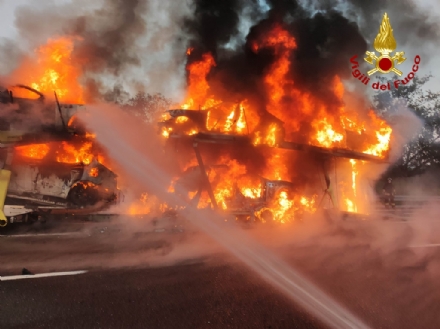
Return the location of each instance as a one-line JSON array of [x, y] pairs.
[[31, 187], [241, 206]]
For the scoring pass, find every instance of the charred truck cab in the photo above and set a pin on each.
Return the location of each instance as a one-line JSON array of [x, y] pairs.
[[34, 187]]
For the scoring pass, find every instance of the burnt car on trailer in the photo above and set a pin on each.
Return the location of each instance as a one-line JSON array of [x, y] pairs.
[[190, 127], [30, 188]]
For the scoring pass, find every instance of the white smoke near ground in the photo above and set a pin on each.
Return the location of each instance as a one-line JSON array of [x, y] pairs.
[[137, 154], [322, 248], [329, 246], [406, 125]]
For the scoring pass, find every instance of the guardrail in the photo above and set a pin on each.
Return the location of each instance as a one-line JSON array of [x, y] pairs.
[[406, 206]]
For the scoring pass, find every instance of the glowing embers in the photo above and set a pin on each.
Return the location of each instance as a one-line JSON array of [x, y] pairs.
[[326, 135], [64, 152], [383, 137], [238, 191], [251, 192], [375, 134], [141, 206], [85, 185], [228, 118], [350, 189], [272, 135], [287, 207], [350, 124], [166, 131], [224, 118], [94, 172], [350, 206], [282, 207], [147, 204], [53, 69], [75, 154], [350, 203], [198, 87], [33, 151], [224, 182], [181, 119], [235, 122]]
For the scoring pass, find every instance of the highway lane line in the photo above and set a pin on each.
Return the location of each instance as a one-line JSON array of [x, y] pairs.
[[43, 234], [42, 275], [429, 245]]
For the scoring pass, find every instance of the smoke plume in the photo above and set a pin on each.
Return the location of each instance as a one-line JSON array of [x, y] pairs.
[[132, 43], [141, 44]]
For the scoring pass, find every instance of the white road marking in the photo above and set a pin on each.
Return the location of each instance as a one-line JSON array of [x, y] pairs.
[[42, 234], [429, 245], [42, 275]]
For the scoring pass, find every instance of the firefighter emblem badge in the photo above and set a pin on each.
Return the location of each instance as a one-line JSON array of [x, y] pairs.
[[385, 44]]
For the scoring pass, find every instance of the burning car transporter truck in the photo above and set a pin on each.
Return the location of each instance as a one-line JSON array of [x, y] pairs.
[[239, 203]]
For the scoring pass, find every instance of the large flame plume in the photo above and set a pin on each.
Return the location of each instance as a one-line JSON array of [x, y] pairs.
[[52, 69], [297, 114], [275, 107]]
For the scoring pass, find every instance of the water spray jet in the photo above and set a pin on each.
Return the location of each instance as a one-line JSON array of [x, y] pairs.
[[262, 261]]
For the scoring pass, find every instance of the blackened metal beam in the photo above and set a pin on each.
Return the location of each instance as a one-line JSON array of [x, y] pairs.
[[331, 152], [205, 175]]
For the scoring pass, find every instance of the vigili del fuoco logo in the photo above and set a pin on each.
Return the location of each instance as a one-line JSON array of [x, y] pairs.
[[385, 63]]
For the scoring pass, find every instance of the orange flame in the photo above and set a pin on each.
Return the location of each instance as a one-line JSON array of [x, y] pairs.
[[198, 87], [94, 172], [302, 114], [326, 135], [34, 151], [52, 70], [383, 137], [141, 206], [63, 152], [71, 154]]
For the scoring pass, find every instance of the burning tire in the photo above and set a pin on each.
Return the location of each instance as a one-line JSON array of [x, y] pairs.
[[267, 216], [83, 195]]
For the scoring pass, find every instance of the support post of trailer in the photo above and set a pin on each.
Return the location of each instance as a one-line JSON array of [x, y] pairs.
[[329, 188], [336, 183], [59, 110], [205, 176], [196, 198]]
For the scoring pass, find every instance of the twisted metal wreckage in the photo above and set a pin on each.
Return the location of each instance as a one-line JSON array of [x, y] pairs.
[[31, 186], [240, 206], [38, 186]]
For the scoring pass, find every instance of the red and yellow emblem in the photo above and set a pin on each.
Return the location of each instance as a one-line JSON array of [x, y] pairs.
[[385, 44]]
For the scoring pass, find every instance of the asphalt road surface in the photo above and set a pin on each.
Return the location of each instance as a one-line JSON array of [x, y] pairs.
[[148, 276], [182, 296]]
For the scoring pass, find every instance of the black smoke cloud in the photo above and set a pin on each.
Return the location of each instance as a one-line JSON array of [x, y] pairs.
[[413, 26], [110, 49], [327, 34], [409, 22], [323, 42], [214, 23]]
